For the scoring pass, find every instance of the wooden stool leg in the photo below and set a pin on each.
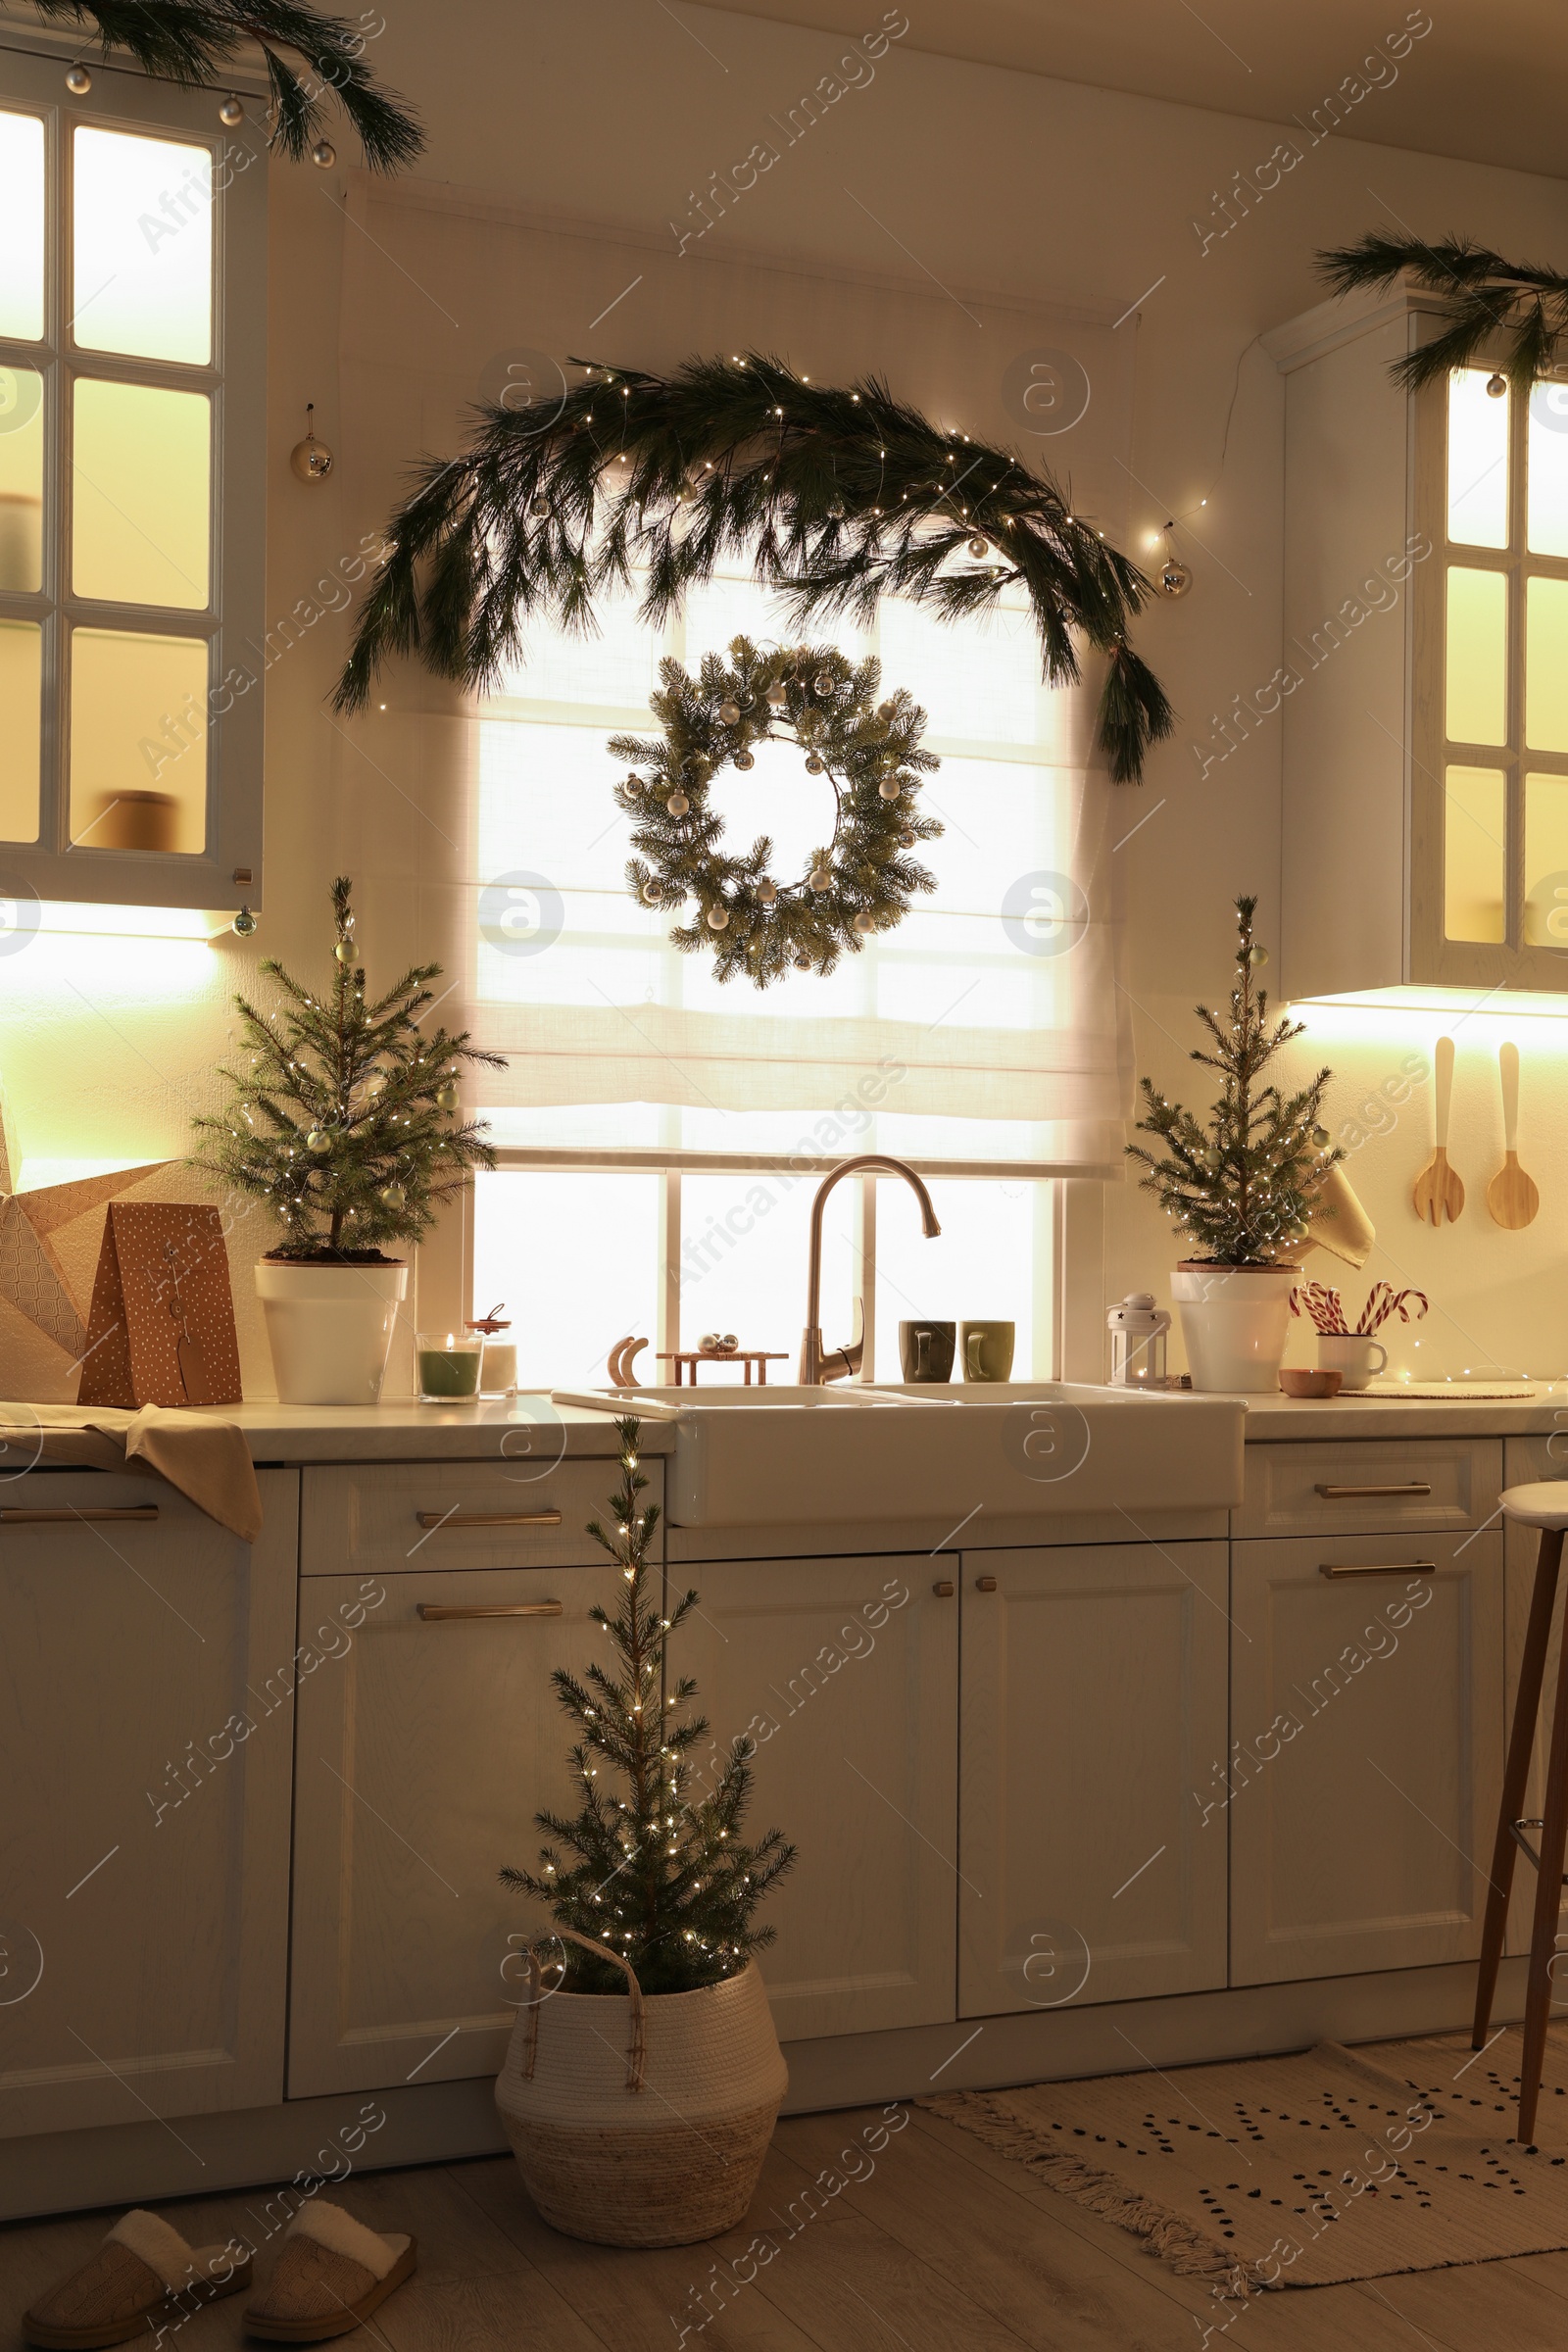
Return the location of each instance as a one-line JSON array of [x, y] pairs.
[[1548, 1907], [1516, 1776]]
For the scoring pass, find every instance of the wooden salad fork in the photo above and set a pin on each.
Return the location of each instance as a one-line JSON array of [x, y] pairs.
[[1511, 1195], [1438, 1191]]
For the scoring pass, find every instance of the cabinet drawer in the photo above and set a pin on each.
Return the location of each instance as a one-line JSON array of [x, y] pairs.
[[1370, 1484], [390, 1518]]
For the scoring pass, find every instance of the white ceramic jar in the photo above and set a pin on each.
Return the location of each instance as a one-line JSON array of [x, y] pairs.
[[329, 1328]]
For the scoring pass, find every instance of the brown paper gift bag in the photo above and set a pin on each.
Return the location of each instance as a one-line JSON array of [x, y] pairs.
[[161, 1326]]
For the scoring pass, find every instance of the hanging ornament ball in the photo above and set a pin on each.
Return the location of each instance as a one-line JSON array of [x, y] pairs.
[[768, 894], [778, 696], [906, 838], [345, 951], [323, 155], [814, 765], [677, 803], [745, 760], [318, 1140], [730, 714], [864, 921], [393, 1196], [79, 82], [824, 681], [1496, 386], [634, 783], [979, 547], [538, 507], [821, 877], [449, 1097], [311, 459], [231, 113], [835, 510], [1174, 578], [890, 788], [1257, 955], [802, 964], [1320, 1137], [652, 893], [719, 919], [245, 923]]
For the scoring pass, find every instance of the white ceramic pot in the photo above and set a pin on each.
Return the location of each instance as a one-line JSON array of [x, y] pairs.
[[1233, 1324], [329, 1328]]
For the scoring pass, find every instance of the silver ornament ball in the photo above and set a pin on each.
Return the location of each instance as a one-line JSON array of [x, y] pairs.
[[730, 714], [652, 893], [231, 113], [745, 760], [979, 547], [814, 765], [1496, 386], [323, 155], [245, 923], [79, 82]]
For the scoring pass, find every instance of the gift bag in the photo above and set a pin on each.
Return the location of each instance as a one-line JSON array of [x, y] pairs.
[[161, 1326]]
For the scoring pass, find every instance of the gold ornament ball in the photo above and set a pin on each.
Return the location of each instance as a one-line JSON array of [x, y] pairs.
[[1256, 956], [323, 155], [651, 894], [802, 964], [906, 838], [768, 894], [864, 922], [449, 1097], [814, 765], [634, 783], [979, 547], [231, 113], [345, 951], [1320, 1137], [719, 919], [318, 1140], [778, 696], [393, 1196], [890, 788], [539, 507], [1496, 386], [311, 459], [677, 803], [730, 714], [79, 82], [745, 760], [820, 878]]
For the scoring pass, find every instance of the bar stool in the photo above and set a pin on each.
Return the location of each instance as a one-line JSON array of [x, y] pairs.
[[1544, 1506]]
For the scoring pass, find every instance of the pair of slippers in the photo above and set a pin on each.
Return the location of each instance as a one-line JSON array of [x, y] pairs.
[[331, 2273]]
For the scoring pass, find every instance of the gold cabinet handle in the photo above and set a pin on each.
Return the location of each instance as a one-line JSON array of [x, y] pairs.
[[985, 1584], [435, 1612], [1348, 1493], [139, 1510], [434, 1519], [1396, 1568], [944, 1591]]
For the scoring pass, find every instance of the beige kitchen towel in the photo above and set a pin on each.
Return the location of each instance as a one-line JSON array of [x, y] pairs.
[[208, 1460]]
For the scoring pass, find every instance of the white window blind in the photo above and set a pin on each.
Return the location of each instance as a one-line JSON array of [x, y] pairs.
[[986, 1029]]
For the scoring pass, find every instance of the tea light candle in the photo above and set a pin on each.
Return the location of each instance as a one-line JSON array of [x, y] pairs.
[[449, 1368], [498, 1375]]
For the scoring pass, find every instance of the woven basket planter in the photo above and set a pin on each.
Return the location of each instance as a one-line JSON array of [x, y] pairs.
[[641, 2121]]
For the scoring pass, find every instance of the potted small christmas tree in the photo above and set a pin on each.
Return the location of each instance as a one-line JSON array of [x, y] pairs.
[[641, 2090], [346, 1122], [1243, 1187]]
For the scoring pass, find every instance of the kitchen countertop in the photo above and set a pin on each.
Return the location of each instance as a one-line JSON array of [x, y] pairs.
[[1383, 1414]]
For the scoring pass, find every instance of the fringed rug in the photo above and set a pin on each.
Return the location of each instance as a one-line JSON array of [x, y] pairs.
[[1309, 2170]]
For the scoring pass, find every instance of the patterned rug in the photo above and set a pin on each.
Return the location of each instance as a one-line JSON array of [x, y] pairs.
[[1309, 2170]]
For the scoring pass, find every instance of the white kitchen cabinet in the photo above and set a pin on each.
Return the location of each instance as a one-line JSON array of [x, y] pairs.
[[1093, 1705], [146, 1664], [845, 1672], [1367, 1727], [424, 1754]]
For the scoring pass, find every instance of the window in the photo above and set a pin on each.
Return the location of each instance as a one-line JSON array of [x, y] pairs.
[[1504, 702], [661, 1136], [131, 398]]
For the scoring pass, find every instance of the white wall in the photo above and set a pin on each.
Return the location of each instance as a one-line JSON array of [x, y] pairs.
[[935, 173]]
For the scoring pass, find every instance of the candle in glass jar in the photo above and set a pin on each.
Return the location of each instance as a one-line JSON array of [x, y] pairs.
[[449, 1367], [498, 1376]]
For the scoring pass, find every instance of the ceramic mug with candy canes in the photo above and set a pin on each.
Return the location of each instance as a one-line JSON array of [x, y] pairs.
[[1357, 1355]]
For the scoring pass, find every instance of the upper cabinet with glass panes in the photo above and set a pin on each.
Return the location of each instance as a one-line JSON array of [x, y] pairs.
[[132, 285], [1423, 695]]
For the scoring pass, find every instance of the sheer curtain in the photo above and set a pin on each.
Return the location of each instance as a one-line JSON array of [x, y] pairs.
[[985, 1029]]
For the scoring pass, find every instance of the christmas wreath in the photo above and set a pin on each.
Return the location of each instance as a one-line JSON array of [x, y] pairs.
[[856, 885], [839, 496]]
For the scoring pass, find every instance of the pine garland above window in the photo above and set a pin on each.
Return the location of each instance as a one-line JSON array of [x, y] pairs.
[[838, 496]]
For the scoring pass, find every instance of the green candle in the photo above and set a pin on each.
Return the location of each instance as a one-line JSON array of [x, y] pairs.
[[449, 1367]]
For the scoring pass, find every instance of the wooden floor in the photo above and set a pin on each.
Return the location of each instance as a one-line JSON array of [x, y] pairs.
[[939, 2247]]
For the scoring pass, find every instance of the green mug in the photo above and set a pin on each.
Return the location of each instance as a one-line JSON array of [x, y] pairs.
[[987, 1351]]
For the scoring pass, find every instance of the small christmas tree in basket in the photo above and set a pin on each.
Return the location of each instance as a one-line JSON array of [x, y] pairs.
[[645, 2076], [1244, 1188]]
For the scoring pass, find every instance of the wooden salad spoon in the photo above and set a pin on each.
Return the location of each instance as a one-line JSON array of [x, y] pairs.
[[1438, 1191], [1511, 1195]]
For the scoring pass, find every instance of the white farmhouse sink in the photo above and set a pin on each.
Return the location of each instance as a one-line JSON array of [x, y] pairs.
[[793, 1456]]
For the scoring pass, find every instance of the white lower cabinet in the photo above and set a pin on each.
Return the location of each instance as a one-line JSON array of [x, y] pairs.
[[1366, 1715], [147, 1661], [423, 1753], [845, 1672], [1092, 1706]]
